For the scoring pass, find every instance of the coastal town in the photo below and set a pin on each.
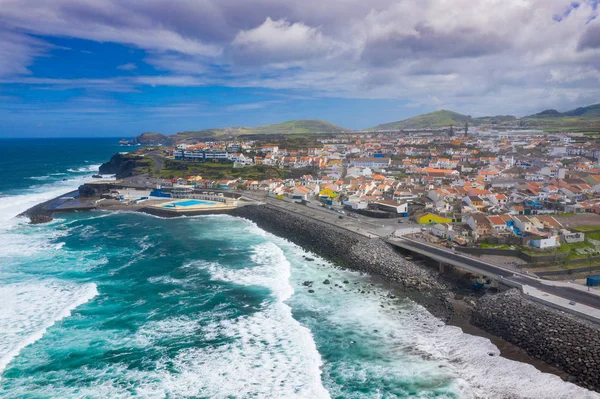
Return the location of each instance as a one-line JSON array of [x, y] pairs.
[[522, 193]]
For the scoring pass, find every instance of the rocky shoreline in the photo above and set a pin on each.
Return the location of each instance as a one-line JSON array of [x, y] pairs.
[[355, 252], [559, 339], [562, 341]]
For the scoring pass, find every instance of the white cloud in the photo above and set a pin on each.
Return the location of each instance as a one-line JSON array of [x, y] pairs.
[[476, 56], [127, 67], [281, 41], [18, 51]]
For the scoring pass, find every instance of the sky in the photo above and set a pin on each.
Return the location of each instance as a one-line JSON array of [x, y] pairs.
[[122, 67]]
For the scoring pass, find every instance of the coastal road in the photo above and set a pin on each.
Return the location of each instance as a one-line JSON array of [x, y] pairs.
[[550, 289], [158, 160], [374, 227], [359, 225]]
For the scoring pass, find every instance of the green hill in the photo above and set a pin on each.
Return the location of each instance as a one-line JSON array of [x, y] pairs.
[[582, 119], [432, 120], [589, 112], [191, 136], [306, 126]]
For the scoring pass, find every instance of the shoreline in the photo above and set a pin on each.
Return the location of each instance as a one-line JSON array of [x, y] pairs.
[[441, 304]]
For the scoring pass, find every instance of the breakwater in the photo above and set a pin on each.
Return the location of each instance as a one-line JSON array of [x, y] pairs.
[[355, 252], [559, 339]]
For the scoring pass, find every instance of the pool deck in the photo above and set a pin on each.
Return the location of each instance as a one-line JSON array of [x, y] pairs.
[[167, 209], [73, 202]]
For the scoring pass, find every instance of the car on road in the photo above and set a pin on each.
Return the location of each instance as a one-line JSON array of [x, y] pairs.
[[572, 303], [400, 221], [340, 217]]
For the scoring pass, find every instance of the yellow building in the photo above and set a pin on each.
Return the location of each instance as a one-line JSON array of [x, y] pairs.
[[329, 193], [430, 218]]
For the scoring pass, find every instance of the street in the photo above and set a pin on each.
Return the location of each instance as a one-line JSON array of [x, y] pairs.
[[558, 289]]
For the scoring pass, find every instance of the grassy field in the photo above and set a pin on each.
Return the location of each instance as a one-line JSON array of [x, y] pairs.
[[216, 171], [571, 249]]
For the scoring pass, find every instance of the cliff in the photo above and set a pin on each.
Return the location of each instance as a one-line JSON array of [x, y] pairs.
[[126, 165], [150, 139]]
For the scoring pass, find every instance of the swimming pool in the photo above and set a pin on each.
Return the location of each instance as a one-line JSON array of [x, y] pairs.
[[187, 203]]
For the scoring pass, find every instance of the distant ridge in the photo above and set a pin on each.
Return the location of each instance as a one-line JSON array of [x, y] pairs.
[[582, 119], [432, 120], [299, 126], [591, 111], [302, 126]]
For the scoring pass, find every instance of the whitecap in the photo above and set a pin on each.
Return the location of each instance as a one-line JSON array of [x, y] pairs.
[[84, 169], [28, 309]]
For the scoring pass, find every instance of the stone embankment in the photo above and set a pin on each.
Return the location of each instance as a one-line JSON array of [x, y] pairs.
[[355, 252], [561, 340]]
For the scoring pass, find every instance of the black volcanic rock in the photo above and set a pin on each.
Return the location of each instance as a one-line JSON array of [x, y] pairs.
[[150, 138]]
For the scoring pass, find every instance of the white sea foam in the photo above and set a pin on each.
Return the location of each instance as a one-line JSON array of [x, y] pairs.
[[406, 329], [271, 269], [14, 205], [85, 169], [27, 310], [21, 243], [272, 355], [266, 354]]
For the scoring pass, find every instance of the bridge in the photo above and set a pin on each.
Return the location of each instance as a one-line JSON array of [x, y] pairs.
[[563, 296]]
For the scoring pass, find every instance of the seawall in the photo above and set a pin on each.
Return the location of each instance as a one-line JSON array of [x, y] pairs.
[[558, 339], [564, 341], [355, 252]]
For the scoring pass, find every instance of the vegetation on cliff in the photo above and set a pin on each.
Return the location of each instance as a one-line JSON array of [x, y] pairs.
[[149, 138], [126, 165], [217, 171]]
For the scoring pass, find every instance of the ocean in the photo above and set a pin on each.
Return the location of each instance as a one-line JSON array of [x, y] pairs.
[[120, 305]]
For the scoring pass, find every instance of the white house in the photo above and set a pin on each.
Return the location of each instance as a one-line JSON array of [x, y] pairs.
[[549, 242]]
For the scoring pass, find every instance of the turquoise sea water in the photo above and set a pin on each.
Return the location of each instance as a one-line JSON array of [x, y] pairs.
[[119, 305]]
